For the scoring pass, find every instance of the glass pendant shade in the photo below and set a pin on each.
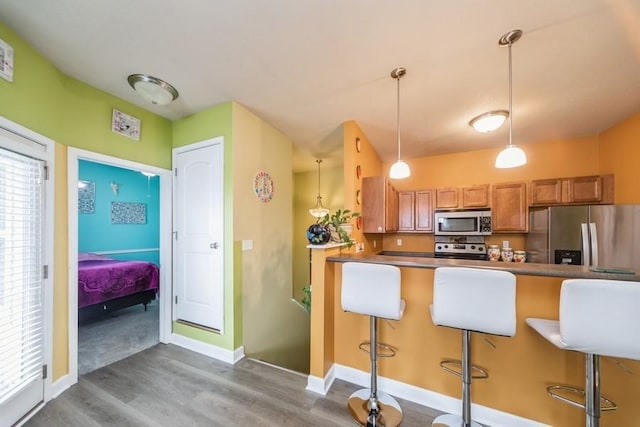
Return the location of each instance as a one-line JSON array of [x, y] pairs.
[[511, 157], [318, 211], [399, 170]]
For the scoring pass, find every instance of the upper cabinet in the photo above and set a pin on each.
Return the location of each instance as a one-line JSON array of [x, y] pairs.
[[475, 196], [415, 210], [447, 198], [379, 205], [509, 213], [595, 189]]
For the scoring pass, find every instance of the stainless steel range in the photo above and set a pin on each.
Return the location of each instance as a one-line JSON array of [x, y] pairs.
[[460, 247]]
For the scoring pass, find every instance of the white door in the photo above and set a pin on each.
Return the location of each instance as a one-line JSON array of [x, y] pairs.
[[198, 233], [21, 285]]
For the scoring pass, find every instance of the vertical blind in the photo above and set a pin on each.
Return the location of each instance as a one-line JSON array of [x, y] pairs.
[[21, 293]]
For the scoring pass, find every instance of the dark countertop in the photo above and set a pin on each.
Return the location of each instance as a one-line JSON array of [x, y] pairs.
[[530, 269]]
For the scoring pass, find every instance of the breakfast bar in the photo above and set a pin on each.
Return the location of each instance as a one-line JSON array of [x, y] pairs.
[[520, 368]]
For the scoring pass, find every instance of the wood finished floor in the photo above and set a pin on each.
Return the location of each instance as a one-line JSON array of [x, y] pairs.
[[170, 386]]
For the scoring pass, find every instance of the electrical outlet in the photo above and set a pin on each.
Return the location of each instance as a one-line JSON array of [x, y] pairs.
[[399, 242], [505, 244], [375, 244]]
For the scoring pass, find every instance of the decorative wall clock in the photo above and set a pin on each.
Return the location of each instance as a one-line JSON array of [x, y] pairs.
[[263, 186]]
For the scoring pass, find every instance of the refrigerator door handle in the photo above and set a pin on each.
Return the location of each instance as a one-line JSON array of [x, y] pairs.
[[594, 243], [586, 252]]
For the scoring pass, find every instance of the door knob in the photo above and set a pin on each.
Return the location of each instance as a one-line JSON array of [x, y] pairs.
[[214, 245]]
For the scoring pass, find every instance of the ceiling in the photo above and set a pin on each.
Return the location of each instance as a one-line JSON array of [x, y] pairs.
[[306, 66]]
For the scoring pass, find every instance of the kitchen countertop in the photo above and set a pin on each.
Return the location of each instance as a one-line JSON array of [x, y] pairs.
[[530, 269]]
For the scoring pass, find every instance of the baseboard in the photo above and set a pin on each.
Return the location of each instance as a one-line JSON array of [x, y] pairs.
[[213, 351], [441, 402], [321, 385], [63, 383]]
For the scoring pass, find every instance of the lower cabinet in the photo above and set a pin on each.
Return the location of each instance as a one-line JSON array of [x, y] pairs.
[[509, 211], [415, 210]]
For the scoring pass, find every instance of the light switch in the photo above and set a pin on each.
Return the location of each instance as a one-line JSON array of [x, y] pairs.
[[247, 245]]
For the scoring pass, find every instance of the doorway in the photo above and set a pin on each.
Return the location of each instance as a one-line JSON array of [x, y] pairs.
[[164, 301], [26, 259]]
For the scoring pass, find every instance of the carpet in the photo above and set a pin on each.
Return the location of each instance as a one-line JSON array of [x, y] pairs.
[[111, 337]]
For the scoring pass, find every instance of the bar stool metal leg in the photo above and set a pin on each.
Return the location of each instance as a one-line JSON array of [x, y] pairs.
[[592, 389], [369, 407], [464, 420]]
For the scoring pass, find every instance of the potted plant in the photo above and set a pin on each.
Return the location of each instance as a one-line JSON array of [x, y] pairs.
[[339, 224]]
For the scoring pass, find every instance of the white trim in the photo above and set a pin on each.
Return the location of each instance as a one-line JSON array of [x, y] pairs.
[[421, 396], [229, 356], [321, 385], [62, 384], [127, 251], [48, 155], [73, 156]]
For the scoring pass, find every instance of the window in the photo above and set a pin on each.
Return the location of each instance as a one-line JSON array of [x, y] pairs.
[[21, 290]]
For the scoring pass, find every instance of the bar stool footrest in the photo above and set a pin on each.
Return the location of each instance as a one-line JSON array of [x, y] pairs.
[[556, 390], [454, 366], [384, 350]]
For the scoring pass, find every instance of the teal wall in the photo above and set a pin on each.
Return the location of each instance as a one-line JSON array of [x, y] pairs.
[[96, 233]]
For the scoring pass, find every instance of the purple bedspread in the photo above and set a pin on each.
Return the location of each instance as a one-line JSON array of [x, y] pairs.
[[102, 280]]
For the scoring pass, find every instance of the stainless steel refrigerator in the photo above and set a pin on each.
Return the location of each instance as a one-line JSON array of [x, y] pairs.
[[606, 236]]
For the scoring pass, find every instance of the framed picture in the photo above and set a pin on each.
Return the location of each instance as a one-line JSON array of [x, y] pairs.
[[6, 61], [125, 125]]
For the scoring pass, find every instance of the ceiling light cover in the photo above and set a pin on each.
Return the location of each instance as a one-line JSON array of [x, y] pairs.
[[490, 121], [511, 156], [399, 170], [318, 210], [153, 89]]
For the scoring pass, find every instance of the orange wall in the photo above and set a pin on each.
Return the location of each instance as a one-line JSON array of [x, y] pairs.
[[620, 153], [370, 165], [615, 150]]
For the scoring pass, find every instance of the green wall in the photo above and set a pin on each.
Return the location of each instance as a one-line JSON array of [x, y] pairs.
[[210, 123], [72, 113]]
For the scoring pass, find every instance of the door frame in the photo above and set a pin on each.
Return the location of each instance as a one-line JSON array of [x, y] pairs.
[[74, 155], [48, 247]]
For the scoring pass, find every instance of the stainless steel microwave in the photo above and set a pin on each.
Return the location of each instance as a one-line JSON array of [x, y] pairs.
[[463, 223]]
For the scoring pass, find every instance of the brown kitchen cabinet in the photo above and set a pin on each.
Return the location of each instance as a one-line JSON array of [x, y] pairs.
[[594, 189], [447, 198], [470, 197], [415, 210], [509, 211], [379, 205], [476, 196]]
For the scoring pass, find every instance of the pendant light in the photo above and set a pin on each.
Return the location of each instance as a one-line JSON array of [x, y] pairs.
[[399, 169], [318, 210], [511, 156]]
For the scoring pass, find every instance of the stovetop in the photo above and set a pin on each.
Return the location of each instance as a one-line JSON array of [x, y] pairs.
[[460, 247]]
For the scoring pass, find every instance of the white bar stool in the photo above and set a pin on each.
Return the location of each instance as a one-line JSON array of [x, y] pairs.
[[598, 318], [373, 290], [474, 300]]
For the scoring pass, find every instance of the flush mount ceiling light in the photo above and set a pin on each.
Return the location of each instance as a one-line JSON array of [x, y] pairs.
[[490, 121], [153, 89], [318, 210], [511, 156], [399, 169]]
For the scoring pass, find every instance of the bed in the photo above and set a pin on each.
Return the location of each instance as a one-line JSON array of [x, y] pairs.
[[106, 284]]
